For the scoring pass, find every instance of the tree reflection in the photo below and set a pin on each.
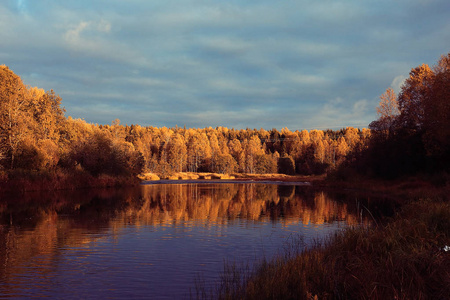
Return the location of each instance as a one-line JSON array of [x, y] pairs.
[[41, 225]]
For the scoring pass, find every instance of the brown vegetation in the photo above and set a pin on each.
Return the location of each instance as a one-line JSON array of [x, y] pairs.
[[404, 258]]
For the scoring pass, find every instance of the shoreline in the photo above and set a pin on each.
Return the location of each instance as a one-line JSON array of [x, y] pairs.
[[223, 181], [205, 177]]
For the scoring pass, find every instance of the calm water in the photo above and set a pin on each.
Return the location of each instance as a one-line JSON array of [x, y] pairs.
[[151, 241]]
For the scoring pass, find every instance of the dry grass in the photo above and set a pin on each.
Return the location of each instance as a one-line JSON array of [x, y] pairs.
[[148, 176], [279, 177], [207, 175], [404, 259], [234, 176], [23, 181], [184, 176]]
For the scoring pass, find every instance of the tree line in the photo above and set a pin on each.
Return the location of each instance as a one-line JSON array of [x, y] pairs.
[[412, 134], [35, 135]]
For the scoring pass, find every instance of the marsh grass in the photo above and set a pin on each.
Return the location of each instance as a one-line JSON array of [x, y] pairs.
[[26, 180], [402, 259]]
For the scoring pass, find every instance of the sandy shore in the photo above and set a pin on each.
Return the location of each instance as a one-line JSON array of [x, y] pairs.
[[222, 181], [189, 178]]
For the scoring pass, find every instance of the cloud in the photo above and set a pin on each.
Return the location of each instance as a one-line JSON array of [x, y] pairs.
[[398, 82], [91, 29], [300, 64], [338, 113], [21, 6], [103, 26], [72, 36]]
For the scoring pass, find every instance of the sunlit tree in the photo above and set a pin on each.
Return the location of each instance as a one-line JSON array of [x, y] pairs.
[[198, 150], [387, 112], [413, 96], [177, 153], [13, 115], [252, 149]]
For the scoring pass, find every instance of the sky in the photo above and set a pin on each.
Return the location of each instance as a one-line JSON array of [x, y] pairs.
[[300, 64]]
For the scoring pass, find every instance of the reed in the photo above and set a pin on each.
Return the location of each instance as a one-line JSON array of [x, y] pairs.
[[26, 180], [403, 259]]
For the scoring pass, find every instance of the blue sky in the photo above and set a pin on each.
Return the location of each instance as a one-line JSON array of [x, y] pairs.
[[300, 64]]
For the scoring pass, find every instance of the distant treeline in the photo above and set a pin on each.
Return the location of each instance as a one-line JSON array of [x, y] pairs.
[[411, 135], [35, 135]]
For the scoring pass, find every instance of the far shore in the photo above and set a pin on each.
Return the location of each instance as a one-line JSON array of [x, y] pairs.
[[203, 177], [223, 181]]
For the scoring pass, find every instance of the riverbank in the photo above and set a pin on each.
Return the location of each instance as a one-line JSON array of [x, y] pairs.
[[23, 181], [234, 176], [26, 181], [406, 257]]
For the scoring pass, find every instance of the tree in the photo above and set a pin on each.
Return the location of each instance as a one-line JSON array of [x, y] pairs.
[[252, 148], [352, 137], [304, 136], [413, 96], [342, 148], [388, 107], [215, 151], [100, 153], [316, 135], [387, 112], [437, 112], [267, 163], [419, 138], [225, 164], [319, 151], [46, 112], [286, 165], [177, 153], [198, 150], [235, 147], [13, 116]]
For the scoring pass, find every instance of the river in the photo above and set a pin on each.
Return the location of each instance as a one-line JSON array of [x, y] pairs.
[[153, 241]]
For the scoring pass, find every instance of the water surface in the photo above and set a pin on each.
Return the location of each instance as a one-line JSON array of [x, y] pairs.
[[154, 240]]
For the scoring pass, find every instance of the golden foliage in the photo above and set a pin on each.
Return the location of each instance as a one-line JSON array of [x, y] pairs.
[[33, 129]]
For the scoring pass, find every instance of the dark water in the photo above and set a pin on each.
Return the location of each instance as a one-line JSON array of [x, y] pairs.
[[153, 241]]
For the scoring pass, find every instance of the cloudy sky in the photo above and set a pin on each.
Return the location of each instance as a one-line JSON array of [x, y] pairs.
[[301, 64]]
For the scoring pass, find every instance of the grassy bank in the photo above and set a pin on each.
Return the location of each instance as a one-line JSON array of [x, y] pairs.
[[404, 258], [23, 181]]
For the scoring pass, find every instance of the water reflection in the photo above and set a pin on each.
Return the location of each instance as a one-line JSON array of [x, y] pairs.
[[57, 244], [219, 204]]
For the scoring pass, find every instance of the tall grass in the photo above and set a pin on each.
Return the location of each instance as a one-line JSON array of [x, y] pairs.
[[26, 180], [403, 259]]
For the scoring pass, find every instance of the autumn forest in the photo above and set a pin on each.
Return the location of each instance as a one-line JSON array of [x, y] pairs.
[[411, 134]]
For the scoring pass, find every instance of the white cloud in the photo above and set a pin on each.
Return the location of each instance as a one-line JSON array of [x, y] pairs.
[[94, 39], [72, 36], [338, 113], [397, 83]]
